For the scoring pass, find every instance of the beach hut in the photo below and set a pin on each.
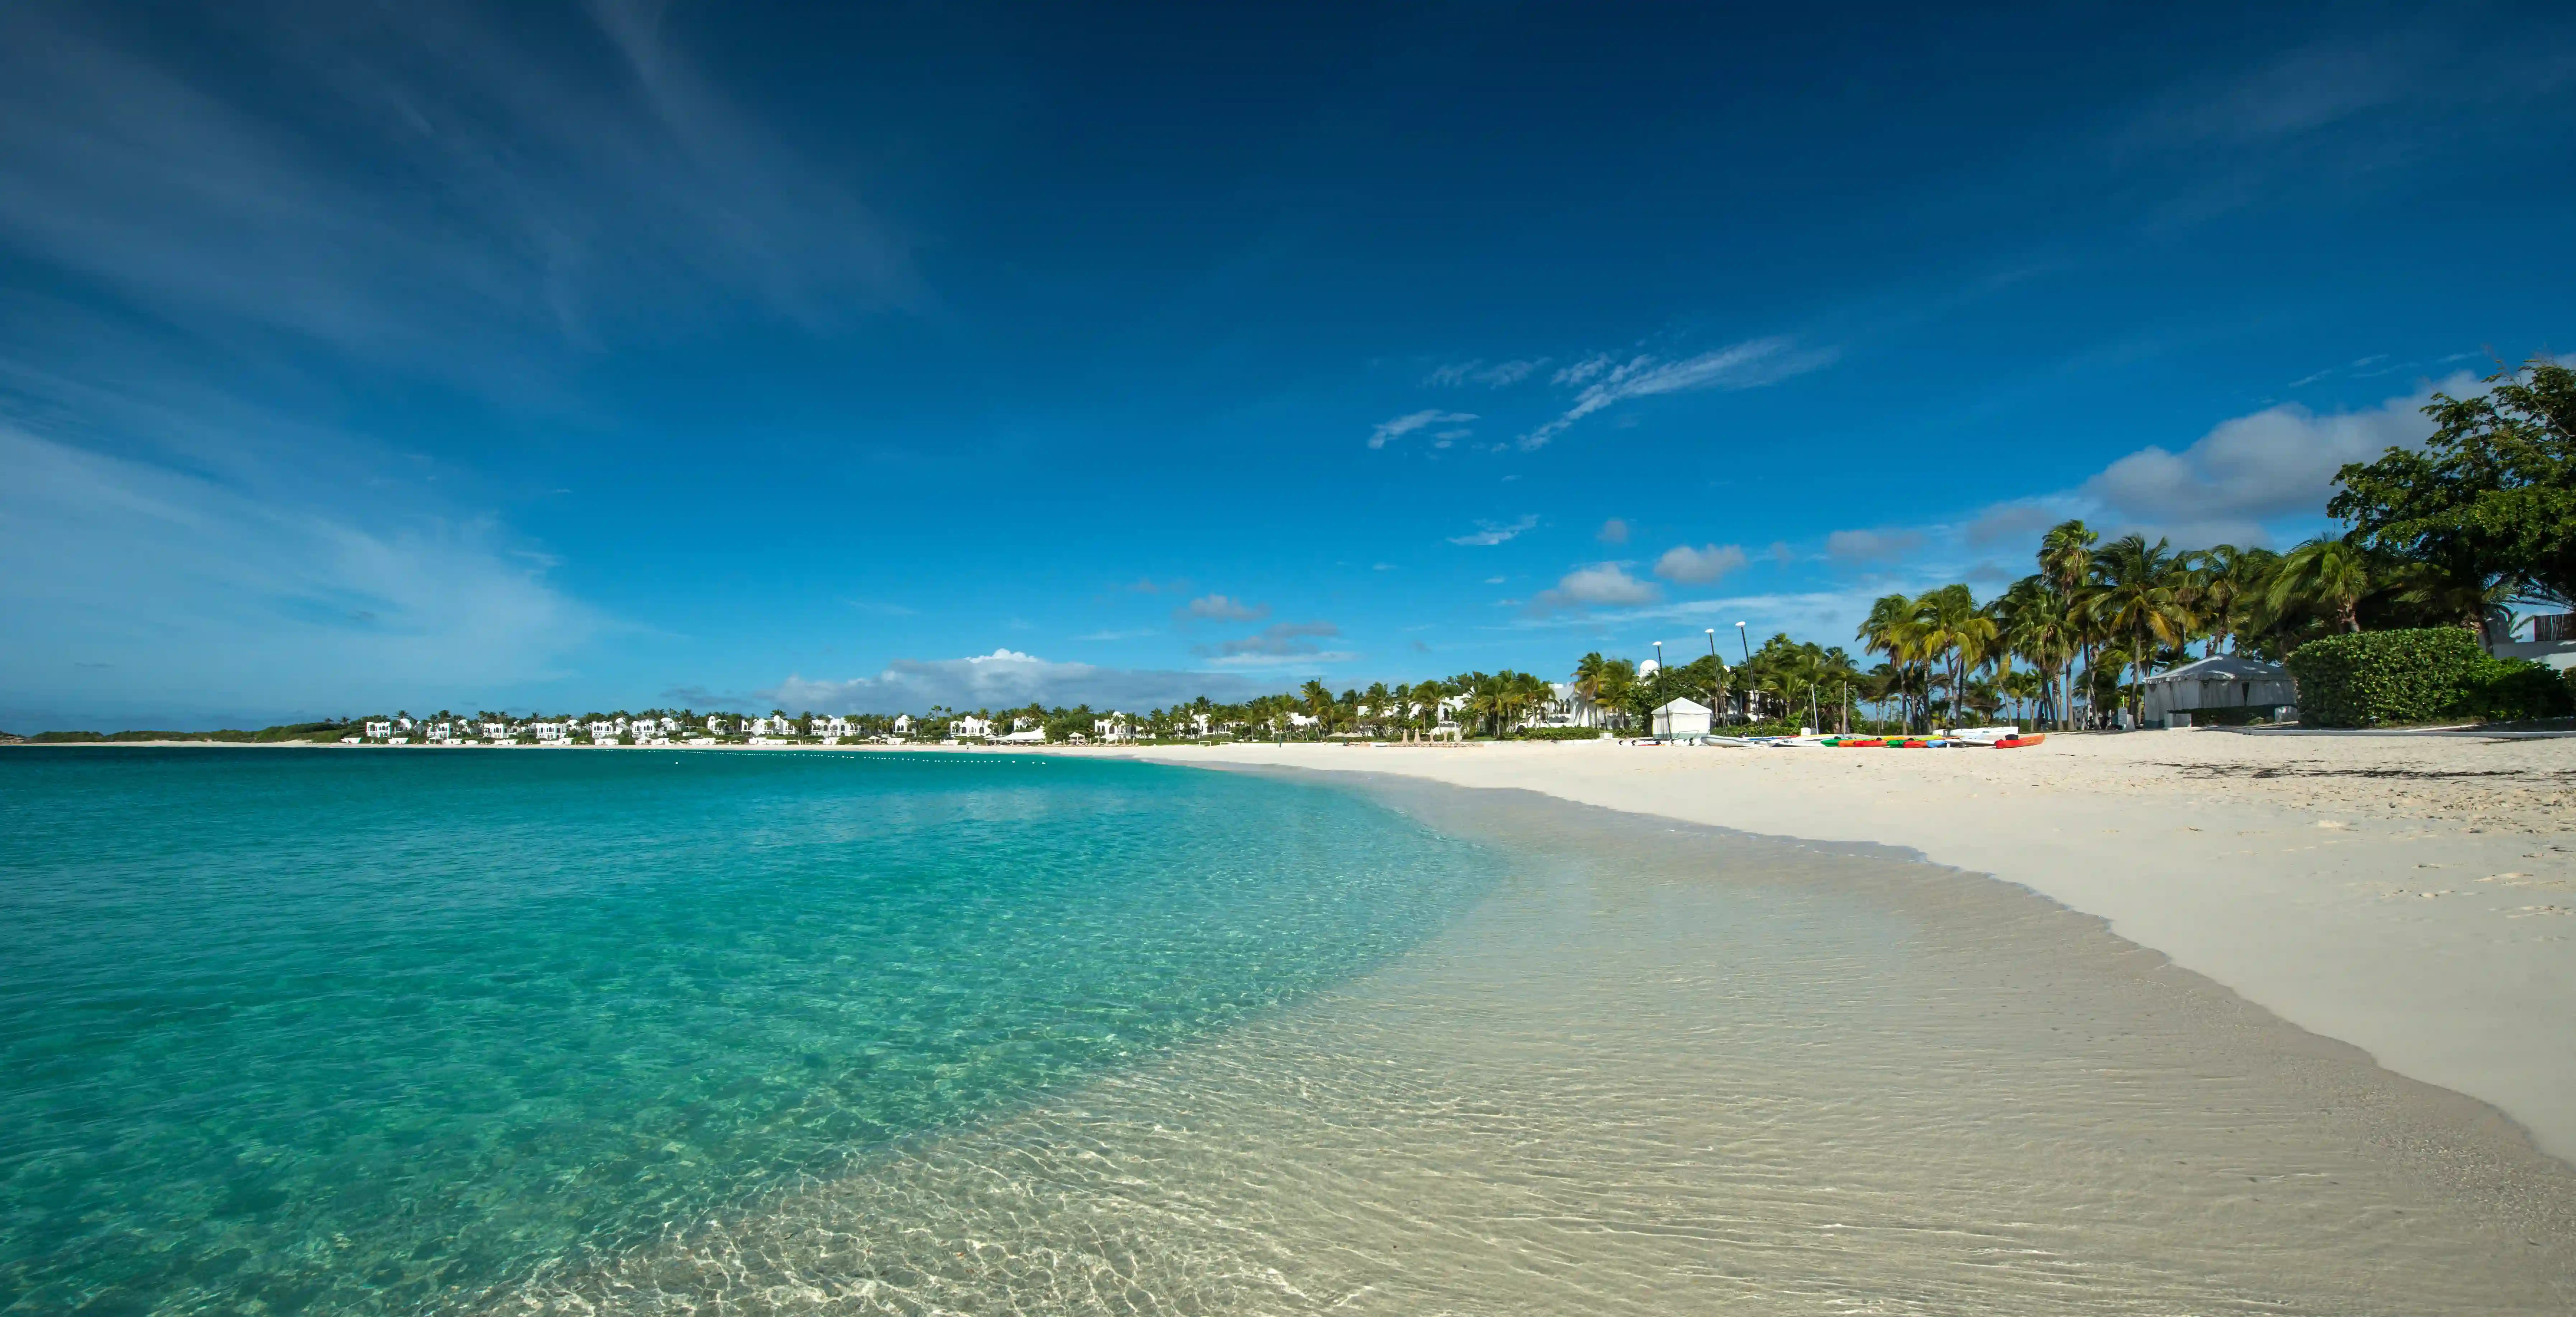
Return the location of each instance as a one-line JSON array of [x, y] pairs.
[[2228, 682], [1682, 718]]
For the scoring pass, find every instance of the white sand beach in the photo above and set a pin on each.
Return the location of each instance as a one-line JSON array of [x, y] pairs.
[[2414, 896]]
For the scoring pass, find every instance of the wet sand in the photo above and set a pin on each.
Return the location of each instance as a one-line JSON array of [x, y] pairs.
[[2412, 896]]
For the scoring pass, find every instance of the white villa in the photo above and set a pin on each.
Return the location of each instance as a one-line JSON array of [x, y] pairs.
[[968, 726], [1568, 707], [903, 724], [1113, 729]]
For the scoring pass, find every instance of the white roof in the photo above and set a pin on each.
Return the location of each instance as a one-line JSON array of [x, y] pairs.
[[2226, 667], [1682, 706]]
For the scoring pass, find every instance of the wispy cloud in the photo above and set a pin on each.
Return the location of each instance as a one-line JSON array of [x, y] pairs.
[[1499, 375], [1282, 642], [1747, 365], [1219, 608], [540, 201], [1886, 544], [1613, 531], [1389, 431], [2013, 522], [1489, 533], [882, 607]]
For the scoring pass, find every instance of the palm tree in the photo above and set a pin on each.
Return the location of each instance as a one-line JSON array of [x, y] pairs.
[[2066, 561], [2039, 629], [1955, 631], [1894, 629], [2326, 575], [2140, 599], [1618, 688], [1836, 673]]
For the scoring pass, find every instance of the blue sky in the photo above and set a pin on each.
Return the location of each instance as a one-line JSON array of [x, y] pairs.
[[620, 355]]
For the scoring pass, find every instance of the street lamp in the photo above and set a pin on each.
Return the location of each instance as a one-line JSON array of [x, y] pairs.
[[1717, 682], [1741, 640]]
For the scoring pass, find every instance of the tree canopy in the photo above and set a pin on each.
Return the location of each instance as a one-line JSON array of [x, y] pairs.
[[2492, 494]]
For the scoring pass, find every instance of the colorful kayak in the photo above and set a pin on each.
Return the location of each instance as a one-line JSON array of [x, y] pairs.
[[2017, 742]]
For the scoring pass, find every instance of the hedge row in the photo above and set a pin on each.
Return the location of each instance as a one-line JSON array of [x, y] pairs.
[[2376, 678]]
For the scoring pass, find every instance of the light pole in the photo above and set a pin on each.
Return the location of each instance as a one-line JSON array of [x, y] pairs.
[[1659, 672], [1717, 683], [1747, 646]]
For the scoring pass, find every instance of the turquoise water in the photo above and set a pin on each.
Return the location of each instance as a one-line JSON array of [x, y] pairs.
[[312, 1031]]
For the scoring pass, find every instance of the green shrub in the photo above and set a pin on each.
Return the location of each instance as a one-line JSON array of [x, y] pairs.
[[2376, 678], [2226, 716], [2511, 689]]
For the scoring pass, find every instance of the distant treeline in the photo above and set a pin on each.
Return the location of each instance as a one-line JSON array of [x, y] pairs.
[[265, 735]]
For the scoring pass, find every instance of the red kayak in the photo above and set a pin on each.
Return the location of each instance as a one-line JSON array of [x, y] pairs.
[[2017, 742]]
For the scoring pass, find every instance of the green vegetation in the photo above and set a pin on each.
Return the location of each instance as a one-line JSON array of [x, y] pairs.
[[2378, 678], [322, 731], [2383, 678]]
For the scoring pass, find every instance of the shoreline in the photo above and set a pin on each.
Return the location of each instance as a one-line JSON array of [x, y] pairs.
[[2414, 901]]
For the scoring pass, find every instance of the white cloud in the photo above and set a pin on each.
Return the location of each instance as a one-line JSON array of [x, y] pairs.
[[1487, 533], [1220, 608], [1000, 679], [194, 597], [1700, 566], [1613, 531], [2275, 463], [1600, 585], [1882, 545], [1747, 365], [1389, 431]]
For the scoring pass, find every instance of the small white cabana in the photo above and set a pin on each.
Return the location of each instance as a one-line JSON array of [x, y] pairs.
[[1682, 718], [2227, 682]]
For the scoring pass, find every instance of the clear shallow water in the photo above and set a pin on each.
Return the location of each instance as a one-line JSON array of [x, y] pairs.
[[287, 1031]]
